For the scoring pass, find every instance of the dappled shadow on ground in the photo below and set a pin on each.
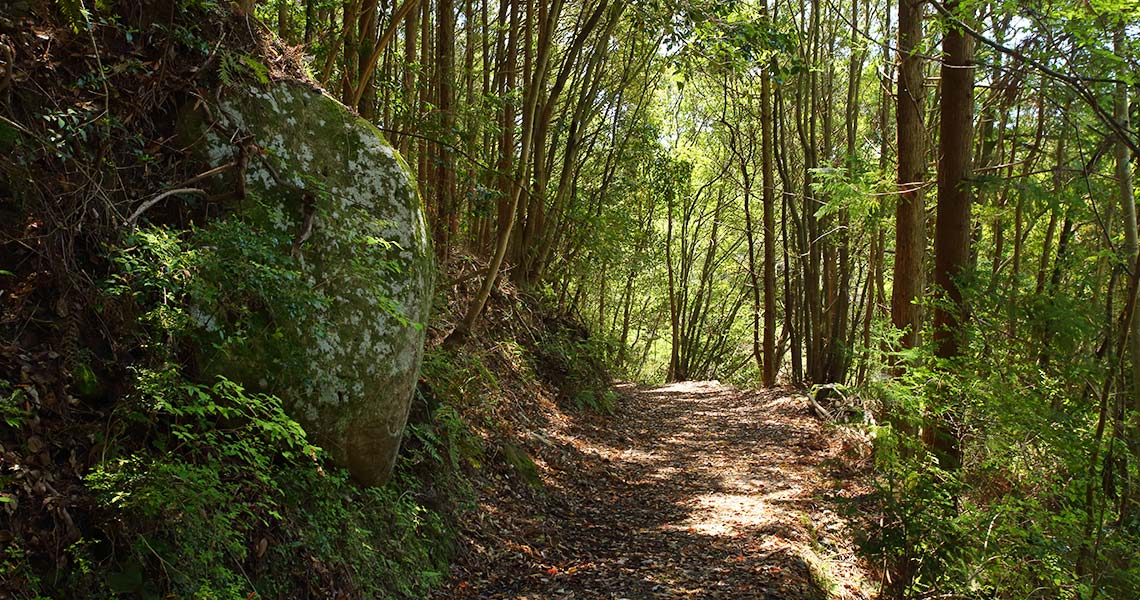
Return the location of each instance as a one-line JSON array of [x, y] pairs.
[[692, 490]]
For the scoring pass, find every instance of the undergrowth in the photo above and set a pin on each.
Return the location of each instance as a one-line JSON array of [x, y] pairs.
[[574, 363], [1025, 516], [202, 488]]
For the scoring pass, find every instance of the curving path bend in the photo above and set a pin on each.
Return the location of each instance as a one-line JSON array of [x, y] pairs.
[[691, 490]]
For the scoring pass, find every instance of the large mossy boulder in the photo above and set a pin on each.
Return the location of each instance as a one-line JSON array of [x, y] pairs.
[[347, 213]]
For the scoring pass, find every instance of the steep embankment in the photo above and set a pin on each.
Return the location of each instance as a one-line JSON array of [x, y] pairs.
[[691, 490], [213, 285]]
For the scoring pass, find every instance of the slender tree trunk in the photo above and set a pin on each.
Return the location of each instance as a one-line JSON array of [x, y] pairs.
[[365, 76], [769, 362], [952, 231], [411, 45], [521, 175], [910, 237], [791, 285], [447, 222], [674, 312], [1123, 171], [770, 367], [425, 93]]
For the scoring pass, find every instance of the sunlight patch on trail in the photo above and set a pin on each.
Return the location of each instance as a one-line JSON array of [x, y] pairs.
[[690, 387], [726, 515]]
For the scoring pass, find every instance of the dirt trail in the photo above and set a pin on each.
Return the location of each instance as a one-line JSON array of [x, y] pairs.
[[692, 490]]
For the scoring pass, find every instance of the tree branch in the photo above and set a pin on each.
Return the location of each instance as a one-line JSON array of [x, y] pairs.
[[1075, 83]]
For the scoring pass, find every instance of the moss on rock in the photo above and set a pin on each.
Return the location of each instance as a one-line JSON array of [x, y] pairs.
[[347, 367]]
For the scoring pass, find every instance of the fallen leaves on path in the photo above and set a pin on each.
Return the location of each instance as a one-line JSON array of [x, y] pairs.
[[691, 490]]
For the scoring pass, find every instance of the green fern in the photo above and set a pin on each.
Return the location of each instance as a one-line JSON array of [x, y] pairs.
[[235, 66], [256, 68], [228, 69], [76, 14]]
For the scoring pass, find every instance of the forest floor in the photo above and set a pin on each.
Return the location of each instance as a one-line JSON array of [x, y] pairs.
[[690, 490]]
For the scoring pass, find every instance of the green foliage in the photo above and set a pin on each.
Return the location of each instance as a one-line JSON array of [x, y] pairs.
[[574, 362], [730, 36], [12, 411], [921, 538], [1015, 521], [598, 401], [212, 490], [229, 288], [379, 542], [234, 66], [462, 380], [228, 498], [16, 573], [76, 14], [207, 478], [444, 439]]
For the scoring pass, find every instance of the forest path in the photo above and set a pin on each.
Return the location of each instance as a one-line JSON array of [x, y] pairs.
[[690, 490]]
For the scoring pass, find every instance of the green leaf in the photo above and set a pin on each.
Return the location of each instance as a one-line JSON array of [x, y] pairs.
[[75, 13]]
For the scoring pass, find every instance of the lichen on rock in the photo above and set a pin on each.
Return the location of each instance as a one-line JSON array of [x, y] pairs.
[[346, 370]]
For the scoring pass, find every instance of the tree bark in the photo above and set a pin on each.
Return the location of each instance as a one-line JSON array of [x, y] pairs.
[[447, 220], [910, 236], [1123, 170], [952, 232]]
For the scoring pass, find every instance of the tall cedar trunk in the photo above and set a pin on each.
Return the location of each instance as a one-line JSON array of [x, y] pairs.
[[310, 20], [411, 45], [910, 236], [447, 220], [952, 230], [365, 75], [471, 134], [283, 20], [507, 123], [425, 93], [481, 229], [368, 61], [349, 22]]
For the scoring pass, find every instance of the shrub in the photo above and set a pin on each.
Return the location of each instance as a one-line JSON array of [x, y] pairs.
[[211, 490]]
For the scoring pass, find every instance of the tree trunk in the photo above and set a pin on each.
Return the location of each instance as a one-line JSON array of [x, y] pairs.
[[910, 237], [521, 175], [447, 221], [770, 368], [952, 231], [411, 45], [1123, 171]]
